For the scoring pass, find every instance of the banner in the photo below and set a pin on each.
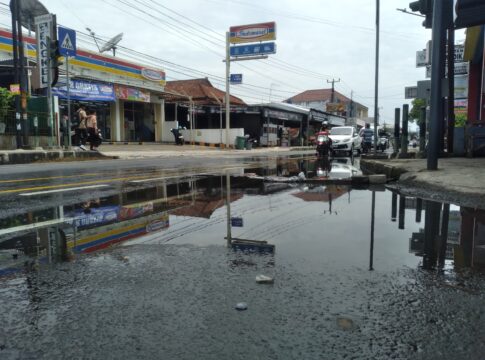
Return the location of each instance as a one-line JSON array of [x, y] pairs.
[[86, 91], [132, 94]]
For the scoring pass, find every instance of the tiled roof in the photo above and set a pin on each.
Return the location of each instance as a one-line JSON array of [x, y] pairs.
[[317, 95], [201, 91]]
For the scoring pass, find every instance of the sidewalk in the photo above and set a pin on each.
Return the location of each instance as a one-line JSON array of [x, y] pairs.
[[458, 180], [21, 156]]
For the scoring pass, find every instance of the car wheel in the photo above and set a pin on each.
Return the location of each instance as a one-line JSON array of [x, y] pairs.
[[351, 151]]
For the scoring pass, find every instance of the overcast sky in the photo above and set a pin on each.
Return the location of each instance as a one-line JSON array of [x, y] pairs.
[[317, 40]]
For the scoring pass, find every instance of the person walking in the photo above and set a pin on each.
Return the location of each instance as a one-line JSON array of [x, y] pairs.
[[92, 126], [82, 130], [367, 135]]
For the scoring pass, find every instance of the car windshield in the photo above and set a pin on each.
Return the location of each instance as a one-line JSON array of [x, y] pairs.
[[341, 131]]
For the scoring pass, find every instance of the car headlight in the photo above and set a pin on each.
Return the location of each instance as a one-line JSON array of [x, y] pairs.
[[346, 140], [336, 141]]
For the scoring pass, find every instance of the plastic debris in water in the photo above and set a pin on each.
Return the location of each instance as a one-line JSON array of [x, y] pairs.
[[263, 279], [241, 306]]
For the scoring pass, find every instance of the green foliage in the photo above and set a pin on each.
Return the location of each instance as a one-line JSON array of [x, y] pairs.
[[415, 111], [460, 120], [6, 101]]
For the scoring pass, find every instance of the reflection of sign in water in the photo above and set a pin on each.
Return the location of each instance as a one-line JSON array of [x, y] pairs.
[[134, 211], [159, 224], [96, 216], [461, 106], [90, 240]]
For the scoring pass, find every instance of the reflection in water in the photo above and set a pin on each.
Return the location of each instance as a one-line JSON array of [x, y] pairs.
[[450, 233], [296, 213]]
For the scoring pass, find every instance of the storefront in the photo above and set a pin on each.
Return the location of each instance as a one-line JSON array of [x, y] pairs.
[[94, 96], [127, 97]]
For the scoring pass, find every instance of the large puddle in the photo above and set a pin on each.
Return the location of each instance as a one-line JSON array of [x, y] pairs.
[[338, 255]]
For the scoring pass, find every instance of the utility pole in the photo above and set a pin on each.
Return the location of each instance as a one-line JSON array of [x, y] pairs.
[[228, 98], [333, 88], [376, 94], [351, 110]]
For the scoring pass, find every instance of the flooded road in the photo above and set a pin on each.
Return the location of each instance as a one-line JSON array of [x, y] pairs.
[[156, 272]]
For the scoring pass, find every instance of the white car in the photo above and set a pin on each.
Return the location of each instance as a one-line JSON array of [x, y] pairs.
[[345, 138]]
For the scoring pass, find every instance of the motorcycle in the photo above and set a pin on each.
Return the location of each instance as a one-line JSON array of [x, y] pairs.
[[179, 138], [383, 144], [324, 144]]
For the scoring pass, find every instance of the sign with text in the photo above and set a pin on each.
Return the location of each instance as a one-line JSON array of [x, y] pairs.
[[43, 32], [15, 89], [236, 79], [86, 91], [253, 49], [132, 94], [67, 41], [237, 222], [252, 33], [421, 58]]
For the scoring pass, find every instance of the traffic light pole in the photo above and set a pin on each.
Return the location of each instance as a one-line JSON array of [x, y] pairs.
[[49, 97], [436, 86]]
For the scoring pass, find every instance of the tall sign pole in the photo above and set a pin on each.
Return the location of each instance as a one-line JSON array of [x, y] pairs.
[[228, 97], [436, 86], [376, 93], [67, 48]]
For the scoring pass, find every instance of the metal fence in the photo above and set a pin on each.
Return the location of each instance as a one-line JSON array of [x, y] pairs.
[[37, 123]]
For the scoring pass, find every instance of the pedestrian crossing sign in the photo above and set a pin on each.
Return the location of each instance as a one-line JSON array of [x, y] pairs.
[[67, 41]]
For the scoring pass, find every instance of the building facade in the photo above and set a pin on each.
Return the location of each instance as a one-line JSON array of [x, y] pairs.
[[128, 97]]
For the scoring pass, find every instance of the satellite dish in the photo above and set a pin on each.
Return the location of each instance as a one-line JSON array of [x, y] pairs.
[[111, 44], [29, 9]]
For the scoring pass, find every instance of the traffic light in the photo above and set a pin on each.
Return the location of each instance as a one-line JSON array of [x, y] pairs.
[[469, 13], [425, 7]]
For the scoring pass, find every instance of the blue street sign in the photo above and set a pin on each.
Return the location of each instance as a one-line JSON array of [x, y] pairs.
[[67, 41], [253, 49], [236, 79], [237, 222]]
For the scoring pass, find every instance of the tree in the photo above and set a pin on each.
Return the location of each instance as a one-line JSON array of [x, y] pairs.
[[414, 114]]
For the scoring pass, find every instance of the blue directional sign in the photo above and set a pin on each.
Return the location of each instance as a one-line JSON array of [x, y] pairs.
[[253, 49], [236, 79], [67, 41], [237, 222]]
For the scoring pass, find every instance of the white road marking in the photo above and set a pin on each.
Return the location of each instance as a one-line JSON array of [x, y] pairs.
[[63, 190]]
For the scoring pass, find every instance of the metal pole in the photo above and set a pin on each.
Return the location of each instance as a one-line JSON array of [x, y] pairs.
[[397, 125], [419, 209], [444, 235], [228, 99], [220, 126], [49, 95], [451, 89], [431, 231], [436, 87], [22, 77], [404, 137], [394, 207], [18, 126], [228, 208], [68, 130], [371, 256], [402, 211], [376, 86], [422, 130]]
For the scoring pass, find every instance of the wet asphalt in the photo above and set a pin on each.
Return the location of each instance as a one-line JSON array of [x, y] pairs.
[[172, 294]]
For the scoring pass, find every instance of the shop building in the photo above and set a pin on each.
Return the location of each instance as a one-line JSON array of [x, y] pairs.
[[128, 97]]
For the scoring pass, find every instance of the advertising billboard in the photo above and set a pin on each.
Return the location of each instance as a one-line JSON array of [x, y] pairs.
[[252, 33]]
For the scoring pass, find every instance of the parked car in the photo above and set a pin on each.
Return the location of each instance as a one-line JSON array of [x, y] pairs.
[[345, 139]]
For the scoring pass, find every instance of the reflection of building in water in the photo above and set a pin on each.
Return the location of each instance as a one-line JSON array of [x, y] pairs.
[[472, 239]]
